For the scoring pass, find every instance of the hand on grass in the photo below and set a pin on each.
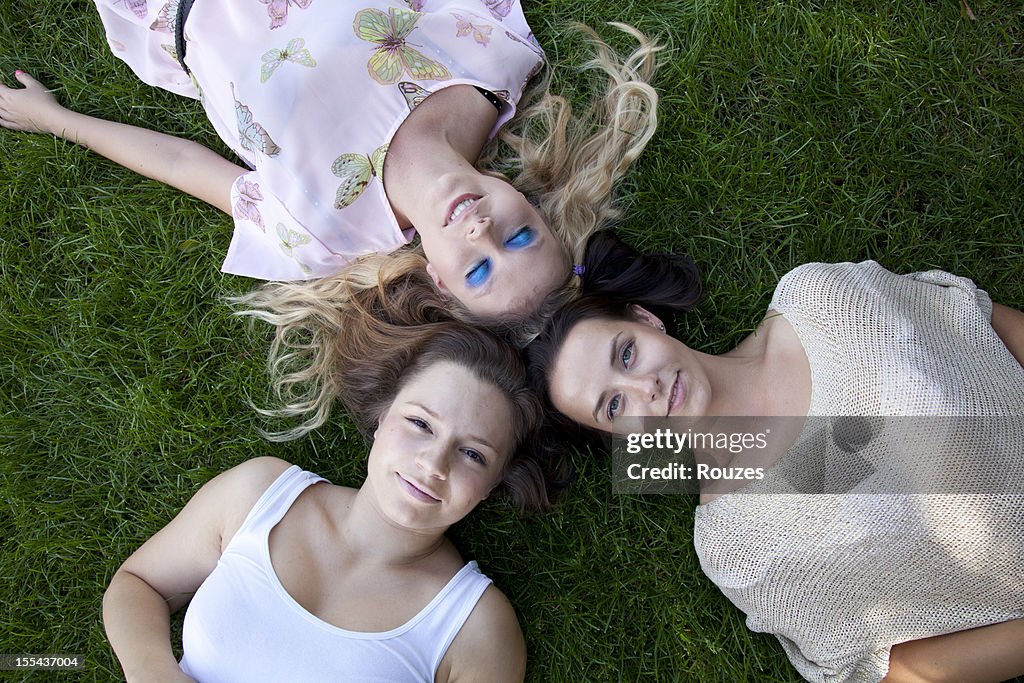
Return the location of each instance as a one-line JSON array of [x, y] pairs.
[[32, 109]]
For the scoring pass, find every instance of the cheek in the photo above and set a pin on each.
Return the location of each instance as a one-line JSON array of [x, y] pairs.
[[572, 407]]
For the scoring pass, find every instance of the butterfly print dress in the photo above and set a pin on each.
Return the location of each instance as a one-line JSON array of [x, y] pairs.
[[308, 93]]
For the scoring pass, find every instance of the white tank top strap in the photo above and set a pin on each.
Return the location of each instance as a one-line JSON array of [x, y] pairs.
[[274, 503], [448, 611]]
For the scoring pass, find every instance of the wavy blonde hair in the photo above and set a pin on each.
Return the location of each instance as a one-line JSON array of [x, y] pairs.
[[566, 164]]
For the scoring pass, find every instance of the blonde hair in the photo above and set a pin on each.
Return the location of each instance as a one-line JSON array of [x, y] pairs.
[[567, 165]]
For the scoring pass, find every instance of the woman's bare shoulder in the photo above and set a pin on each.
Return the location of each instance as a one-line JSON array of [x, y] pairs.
[[490, 645]]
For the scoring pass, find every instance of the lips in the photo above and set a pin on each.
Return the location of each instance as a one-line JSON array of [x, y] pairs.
[[676, 396], [417, 491], [458, 208]]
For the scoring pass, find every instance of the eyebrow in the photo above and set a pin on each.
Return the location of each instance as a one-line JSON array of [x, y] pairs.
[[472, 437], [611, 363]]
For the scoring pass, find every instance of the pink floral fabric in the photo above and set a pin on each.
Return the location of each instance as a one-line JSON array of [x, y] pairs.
[[308, 93]]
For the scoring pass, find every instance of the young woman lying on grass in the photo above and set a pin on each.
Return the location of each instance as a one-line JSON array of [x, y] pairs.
[[294, 579], [896, 586], [360, 124]]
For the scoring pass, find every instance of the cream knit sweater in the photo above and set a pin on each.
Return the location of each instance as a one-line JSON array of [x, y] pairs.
[[841, 577]]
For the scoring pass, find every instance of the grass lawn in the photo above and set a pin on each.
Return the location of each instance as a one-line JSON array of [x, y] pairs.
[[790, 132]]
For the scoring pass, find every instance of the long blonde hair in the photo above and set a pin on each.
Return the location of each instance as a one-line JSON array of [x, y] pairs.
[[567, 165]]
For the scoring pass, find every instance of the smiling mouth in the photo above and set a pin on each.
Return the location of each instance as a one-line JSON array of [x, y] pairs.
[[460, 206], [674, 398], [416, 492]]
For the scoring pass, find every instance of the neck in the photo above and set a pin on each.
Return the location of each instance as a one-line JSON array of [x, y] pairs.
[[767, 374], [444, 133], [732, 378], [374, 538]]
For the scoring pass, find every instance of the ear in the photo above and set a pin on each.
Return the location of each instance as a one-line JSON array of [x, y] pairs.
[[438, 282], [646, 317]]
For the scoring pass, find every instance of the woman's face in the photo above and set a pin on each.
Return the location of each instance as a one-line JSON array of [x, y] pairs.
[[609, 373], [439, 448], [490, 248]]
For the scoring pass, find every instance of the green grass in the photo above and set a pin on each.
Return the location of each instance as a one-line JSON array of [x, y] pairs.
[[840, 130]]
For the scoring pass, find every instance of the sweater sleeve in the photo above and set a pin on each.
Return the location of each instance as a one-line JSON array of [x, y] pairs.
[[968, 292]]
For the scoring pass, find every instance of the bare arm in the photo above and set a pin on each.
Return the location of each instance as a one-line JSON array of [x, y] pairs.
[[1009, 325], [183, 164], [980, 655], [489, 646], [161, 576]]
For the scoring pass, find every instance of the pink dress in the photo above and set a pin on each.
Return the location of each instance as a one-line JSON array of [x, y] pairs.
[[309, 93]]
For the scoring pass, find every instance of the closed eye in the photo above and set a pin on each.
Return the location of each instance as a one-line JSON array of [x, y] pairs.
[[421, 425], [479, 273], [523, 237]]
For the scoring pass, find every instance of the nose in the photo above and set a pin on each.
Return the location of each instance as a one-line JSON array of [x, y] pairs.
[[645, 388], [479, 226], [432, 460]]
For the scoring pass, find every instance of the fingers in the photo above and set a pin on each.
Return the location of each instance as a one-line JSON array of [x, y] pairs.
[[26, 80], [18, 75], [22, 108]]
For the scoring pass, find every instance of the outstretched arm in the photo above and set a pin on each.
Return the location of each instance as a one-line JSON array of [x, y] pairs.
[[161, 576], [183, 164], [1009, 325], [981, 655]]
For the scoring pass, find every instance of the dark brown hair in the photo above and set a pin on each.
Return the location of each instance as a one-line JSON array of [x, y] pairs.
[[615, 276]]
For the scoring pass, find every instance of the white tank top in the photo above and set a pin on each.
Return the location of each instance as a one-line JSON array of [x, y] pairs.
[[243, 626]]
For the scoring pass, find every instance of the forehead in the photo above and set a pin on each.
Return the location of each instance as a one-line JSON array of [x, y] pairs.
[[583, 368], [465, 403]]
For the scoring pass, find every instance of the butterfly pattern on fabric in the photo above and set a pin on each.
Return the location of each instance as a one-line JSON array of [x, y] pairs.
[[251, 135], [498, 8], [138, 7], [414, 94], [464, 27], [416, 5], [531, 42], [393, 57], [249, 196], [167, 19], [277, 10], [289, 240], [295, 52], [169, 49], [356, 171]]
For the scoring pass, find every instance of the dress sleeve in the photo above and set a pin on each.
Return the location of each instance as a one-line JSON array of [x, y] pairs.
[[268, 243]]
